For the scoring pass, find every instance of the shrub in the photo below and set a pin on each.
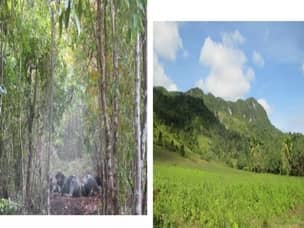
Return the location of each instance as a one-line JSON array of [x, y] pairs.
[[8, 207], [182, 150]]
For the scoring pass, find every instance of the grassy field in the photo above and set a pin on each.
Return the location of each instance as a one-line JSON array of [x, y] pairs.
[[189, 192]]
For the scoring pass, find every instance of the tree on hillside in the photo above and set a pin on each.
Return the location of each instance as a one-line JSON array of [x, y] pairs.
[[160, 138], [286, 153], [255, 155], [182, 150]]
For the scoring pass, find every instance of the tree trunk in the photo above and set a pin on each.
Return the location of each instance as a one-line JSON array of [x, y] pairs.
[[1, 77], [31, 117], [115, 112], [101, 156], [138, 176], [2, 191], [50, 105], [20, 138], [144, 118], [101, 58]]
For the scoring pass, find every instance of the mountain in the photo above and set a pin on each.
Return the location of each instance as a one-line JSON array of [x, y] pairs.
[[243, 116], [237, 132]]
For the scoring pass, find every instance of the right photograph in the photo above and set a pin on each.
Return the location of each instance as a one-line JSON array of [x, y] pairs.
[[228, 124]]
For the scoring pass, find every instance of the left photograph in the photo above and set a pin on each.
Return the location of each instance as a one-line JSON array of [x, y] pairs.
[[73, 107]]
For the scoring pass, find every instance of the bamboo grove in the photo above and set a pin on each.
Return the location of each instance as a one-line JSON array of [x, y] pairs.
[[84, 58]]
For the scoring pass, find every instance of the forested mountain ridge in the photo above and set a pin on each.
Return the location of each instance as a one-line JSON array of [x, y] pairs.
[[249, 112], [238, 133]]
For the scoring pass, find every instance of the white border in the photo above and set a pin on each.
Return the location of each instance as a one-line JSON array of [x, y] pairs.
[[231, 10], [163, 10], [150, 114], [72, 221]]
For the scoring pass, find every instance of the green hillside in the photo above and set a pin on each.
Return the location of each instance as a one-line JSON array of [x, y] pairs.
[[237, 133]]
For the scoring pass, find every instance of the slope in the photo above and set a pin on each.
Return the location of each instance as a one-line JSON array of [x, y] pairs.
[[190, 192], [238, 133]]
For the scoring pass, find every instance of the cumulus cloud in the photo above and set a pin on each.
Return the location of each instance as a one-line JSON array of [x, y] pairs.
[[265, 105], [257, 59], [233, 39], [167, 40], [229, 77], [201, 84], [161, 78]]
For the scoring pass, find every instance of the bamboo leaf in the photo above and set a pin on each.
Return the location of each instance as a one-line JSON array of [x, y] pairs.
[[77, 24], [134, 22], [79, 9], [67, 15], [129, 37], [60, 23], [127, 3]]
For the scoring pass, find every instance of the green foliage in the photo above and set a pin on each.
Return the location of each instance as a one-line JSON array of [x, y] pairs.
[[221, 197], [292, 154], [255, 155], [76, 126], [182, 150], [67, 9], [8, 207], [160, 138], [238, 133], [190, 192], [286, 155]]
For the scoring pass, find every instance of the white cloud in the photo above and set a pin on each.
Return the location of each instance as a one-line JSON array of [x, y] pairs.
[[265, 105], [229, 77], [233, 39], [201, 84], [167, 40], [257, 59], [160, 78]]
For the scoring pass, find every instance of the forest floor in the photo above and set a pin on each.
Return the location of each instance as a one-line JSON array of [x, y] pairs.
[[65, 205]]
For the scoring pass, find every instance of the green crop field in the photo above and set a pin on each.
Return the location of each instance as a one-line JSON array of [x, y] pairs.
[[195, 193]]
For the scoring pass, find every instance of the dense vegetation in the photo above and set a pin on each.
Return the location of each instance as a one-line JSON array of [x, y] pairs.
[[72, 97], [212, 160], [238, 133], [196, 193]]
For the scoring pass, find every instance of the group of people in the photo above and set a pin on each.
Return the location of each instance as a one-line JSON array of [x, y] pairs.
[[73, 186]]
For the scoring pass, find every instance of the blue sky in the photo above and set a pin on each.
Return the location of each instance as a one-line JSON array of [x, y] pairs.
[[233, 60]]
